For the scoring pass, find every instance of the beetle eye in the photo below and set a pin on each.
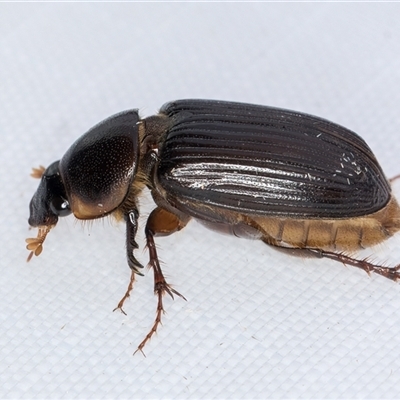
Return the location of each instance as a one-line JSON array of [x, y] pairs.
[[60, 206]]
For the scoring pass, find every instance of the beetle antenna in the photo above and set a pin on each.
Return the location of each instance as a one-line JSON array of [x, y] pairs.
[[36, 244], [37, 172]]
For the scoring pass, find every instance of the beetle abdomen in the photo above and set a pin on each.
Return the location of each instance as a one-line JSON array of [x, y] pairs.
[[334, 235], [262, 160]]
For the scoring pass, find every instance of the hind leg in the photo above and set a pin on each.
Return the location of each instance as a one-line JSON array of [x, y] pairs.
[[160, 223], [392, 273]]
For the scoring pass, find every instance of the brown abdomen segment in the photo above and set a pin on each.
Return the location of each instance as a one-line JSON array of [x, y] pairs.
[[332, 234]]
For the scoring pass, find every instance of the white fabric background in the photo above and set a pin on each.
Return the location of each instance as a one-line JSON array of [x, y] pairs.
[[257, 323]]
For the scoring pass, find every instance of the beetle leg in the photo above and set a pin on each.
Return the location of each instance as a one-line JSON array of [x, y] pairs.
[[131, 228], [394, 178], [160, 223], [127, 293], [392, 273], [131, 245]]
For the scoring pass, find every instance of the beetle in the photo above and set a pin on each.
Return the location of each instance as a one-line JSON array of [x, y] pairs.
[[294, 181]]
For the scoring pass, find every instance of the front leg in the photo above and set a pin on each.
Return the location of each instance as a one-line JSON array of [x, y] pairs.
[[131, 219], [160, 223]]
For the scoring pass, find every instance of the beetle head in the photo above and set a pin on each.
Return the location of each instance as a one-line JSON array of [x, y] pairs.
[[50, 200], [91, 180]]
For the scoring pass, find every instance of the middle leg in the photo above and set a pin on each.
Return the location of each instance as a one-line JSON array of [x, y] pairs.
[[160, 223]]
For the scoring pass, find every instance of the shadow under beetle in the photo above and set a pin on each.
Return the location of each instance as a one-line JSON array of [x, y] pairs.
[[292, 180]]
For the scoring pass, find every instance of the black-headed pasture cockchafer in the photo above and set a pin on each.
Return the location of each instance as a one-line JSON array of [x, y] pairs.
[[292, 180]]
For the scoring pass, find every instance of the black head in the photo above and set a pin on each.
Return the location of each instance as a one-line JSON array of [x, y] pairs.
[[93, 177], [50, 200]]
